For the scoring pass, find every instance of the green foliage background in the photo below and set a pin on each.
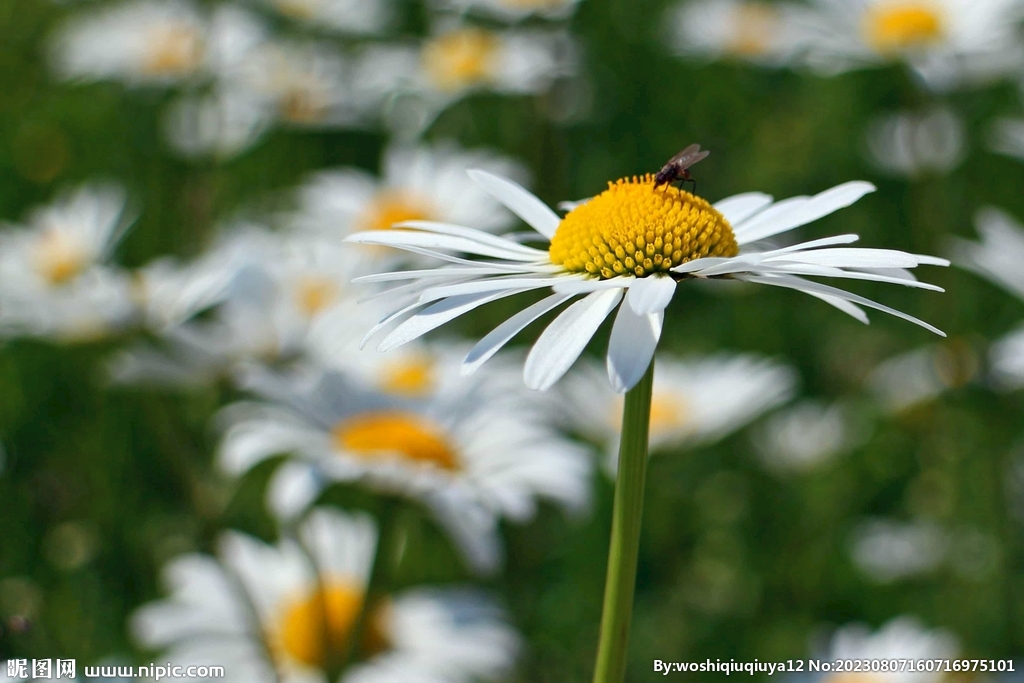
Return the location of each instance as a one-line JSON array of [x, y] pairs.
[[735, 562]]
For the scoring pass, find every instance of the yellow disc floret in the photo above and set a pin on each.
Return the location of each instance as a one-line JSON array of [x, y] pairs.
[[633, 228]]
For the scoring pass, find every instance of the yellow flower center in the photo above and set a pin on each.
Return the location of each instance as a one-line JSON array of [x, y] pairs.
[[302, 105], [314, 294], [315, 627], [58, 258], [894, 26], [173, 51], [754, 25], [396, 434], [413, 376], [669, 412], [395, 206], [297, 9], [633, 228], [460, 59]]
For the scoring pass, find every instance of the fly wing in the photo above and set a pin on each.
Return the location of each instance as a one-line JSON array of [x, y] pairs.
[[688, 157]]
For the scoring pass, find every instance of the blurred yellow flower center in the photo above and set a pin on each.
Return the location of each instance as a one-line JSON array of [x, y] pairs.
[[302, 105], [754, 24], [853, 677], [460, 59], [633, 228], [395, 206], [324, 619], [391, 434], [314, 294], [892, 26], [173, 51], [58, 258], [413, 376], [298, 9], [669, 412]]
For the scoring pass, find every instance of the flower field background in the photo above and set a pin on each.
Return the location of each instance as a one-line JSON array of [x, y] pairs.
[[869, 473]]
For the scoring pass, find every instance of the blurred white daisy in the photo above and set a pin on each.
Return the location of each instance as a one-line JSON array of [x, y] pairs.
[[1006, 358], [901, 638], [412, 84], [916, 377], [358, 17], [759, 32], [220, 124], [946, 42], [1007, 137], [999, 254], [54, 277], [808, 434], [152, 42], [696, 401], [416, 183], [469, 458], [634, 242], [513, 10], [285, 614], [909, 144], [269, 307], [887, 551]]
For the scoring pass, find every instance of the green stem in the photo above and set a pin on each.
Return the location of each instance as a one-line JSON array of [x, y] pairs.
[[627, 515], [385, 560]]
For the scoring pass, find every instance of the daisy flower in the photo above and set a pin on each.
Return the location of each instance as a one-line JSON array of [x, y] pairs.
[[946, 42], [424, 182], [901, 638], [455, 62], [513, 10], [695, 401], [221, 124], [285, 613], [634, 243], [1007, 137], [357, 17], [471, 459], [887, 551], [909, 145], [808, 434], [759, 32], [922, 375], [54, 279]]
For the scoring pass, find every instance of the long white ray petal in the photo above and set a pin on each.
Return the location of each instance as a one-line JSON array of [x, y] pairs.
[[650, 294], [852, 310], [633, 342], [503, 333], [850, 257], [592, 285], [563, 340], [828, 271], [519, 201], [430, 240], [740, 207], [707, 262], [790, 214], [438, 314], [807, 286], [470, 233], [813, 244], [430, 273], [489, 285]]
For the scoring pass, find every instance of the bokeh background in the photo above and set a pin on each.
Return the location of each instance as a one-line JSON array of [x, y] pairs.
[[898, 507]]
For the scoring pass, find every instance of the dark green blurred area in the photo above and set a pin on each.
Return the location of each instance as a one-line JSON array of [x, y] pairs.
[[735, 562]]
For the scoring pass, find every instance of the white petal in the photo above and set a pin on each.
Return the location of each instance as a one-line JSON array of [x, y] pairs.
[[564, 339], [851, 257], [427, 273], [470, 233], [808, 287], [631, 347], [797, 211], [401, 239], [519, 201], [488, 285], [650, 294], [503, 333], [586, 286], [438, 314], [740, 207], [843, 305]]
